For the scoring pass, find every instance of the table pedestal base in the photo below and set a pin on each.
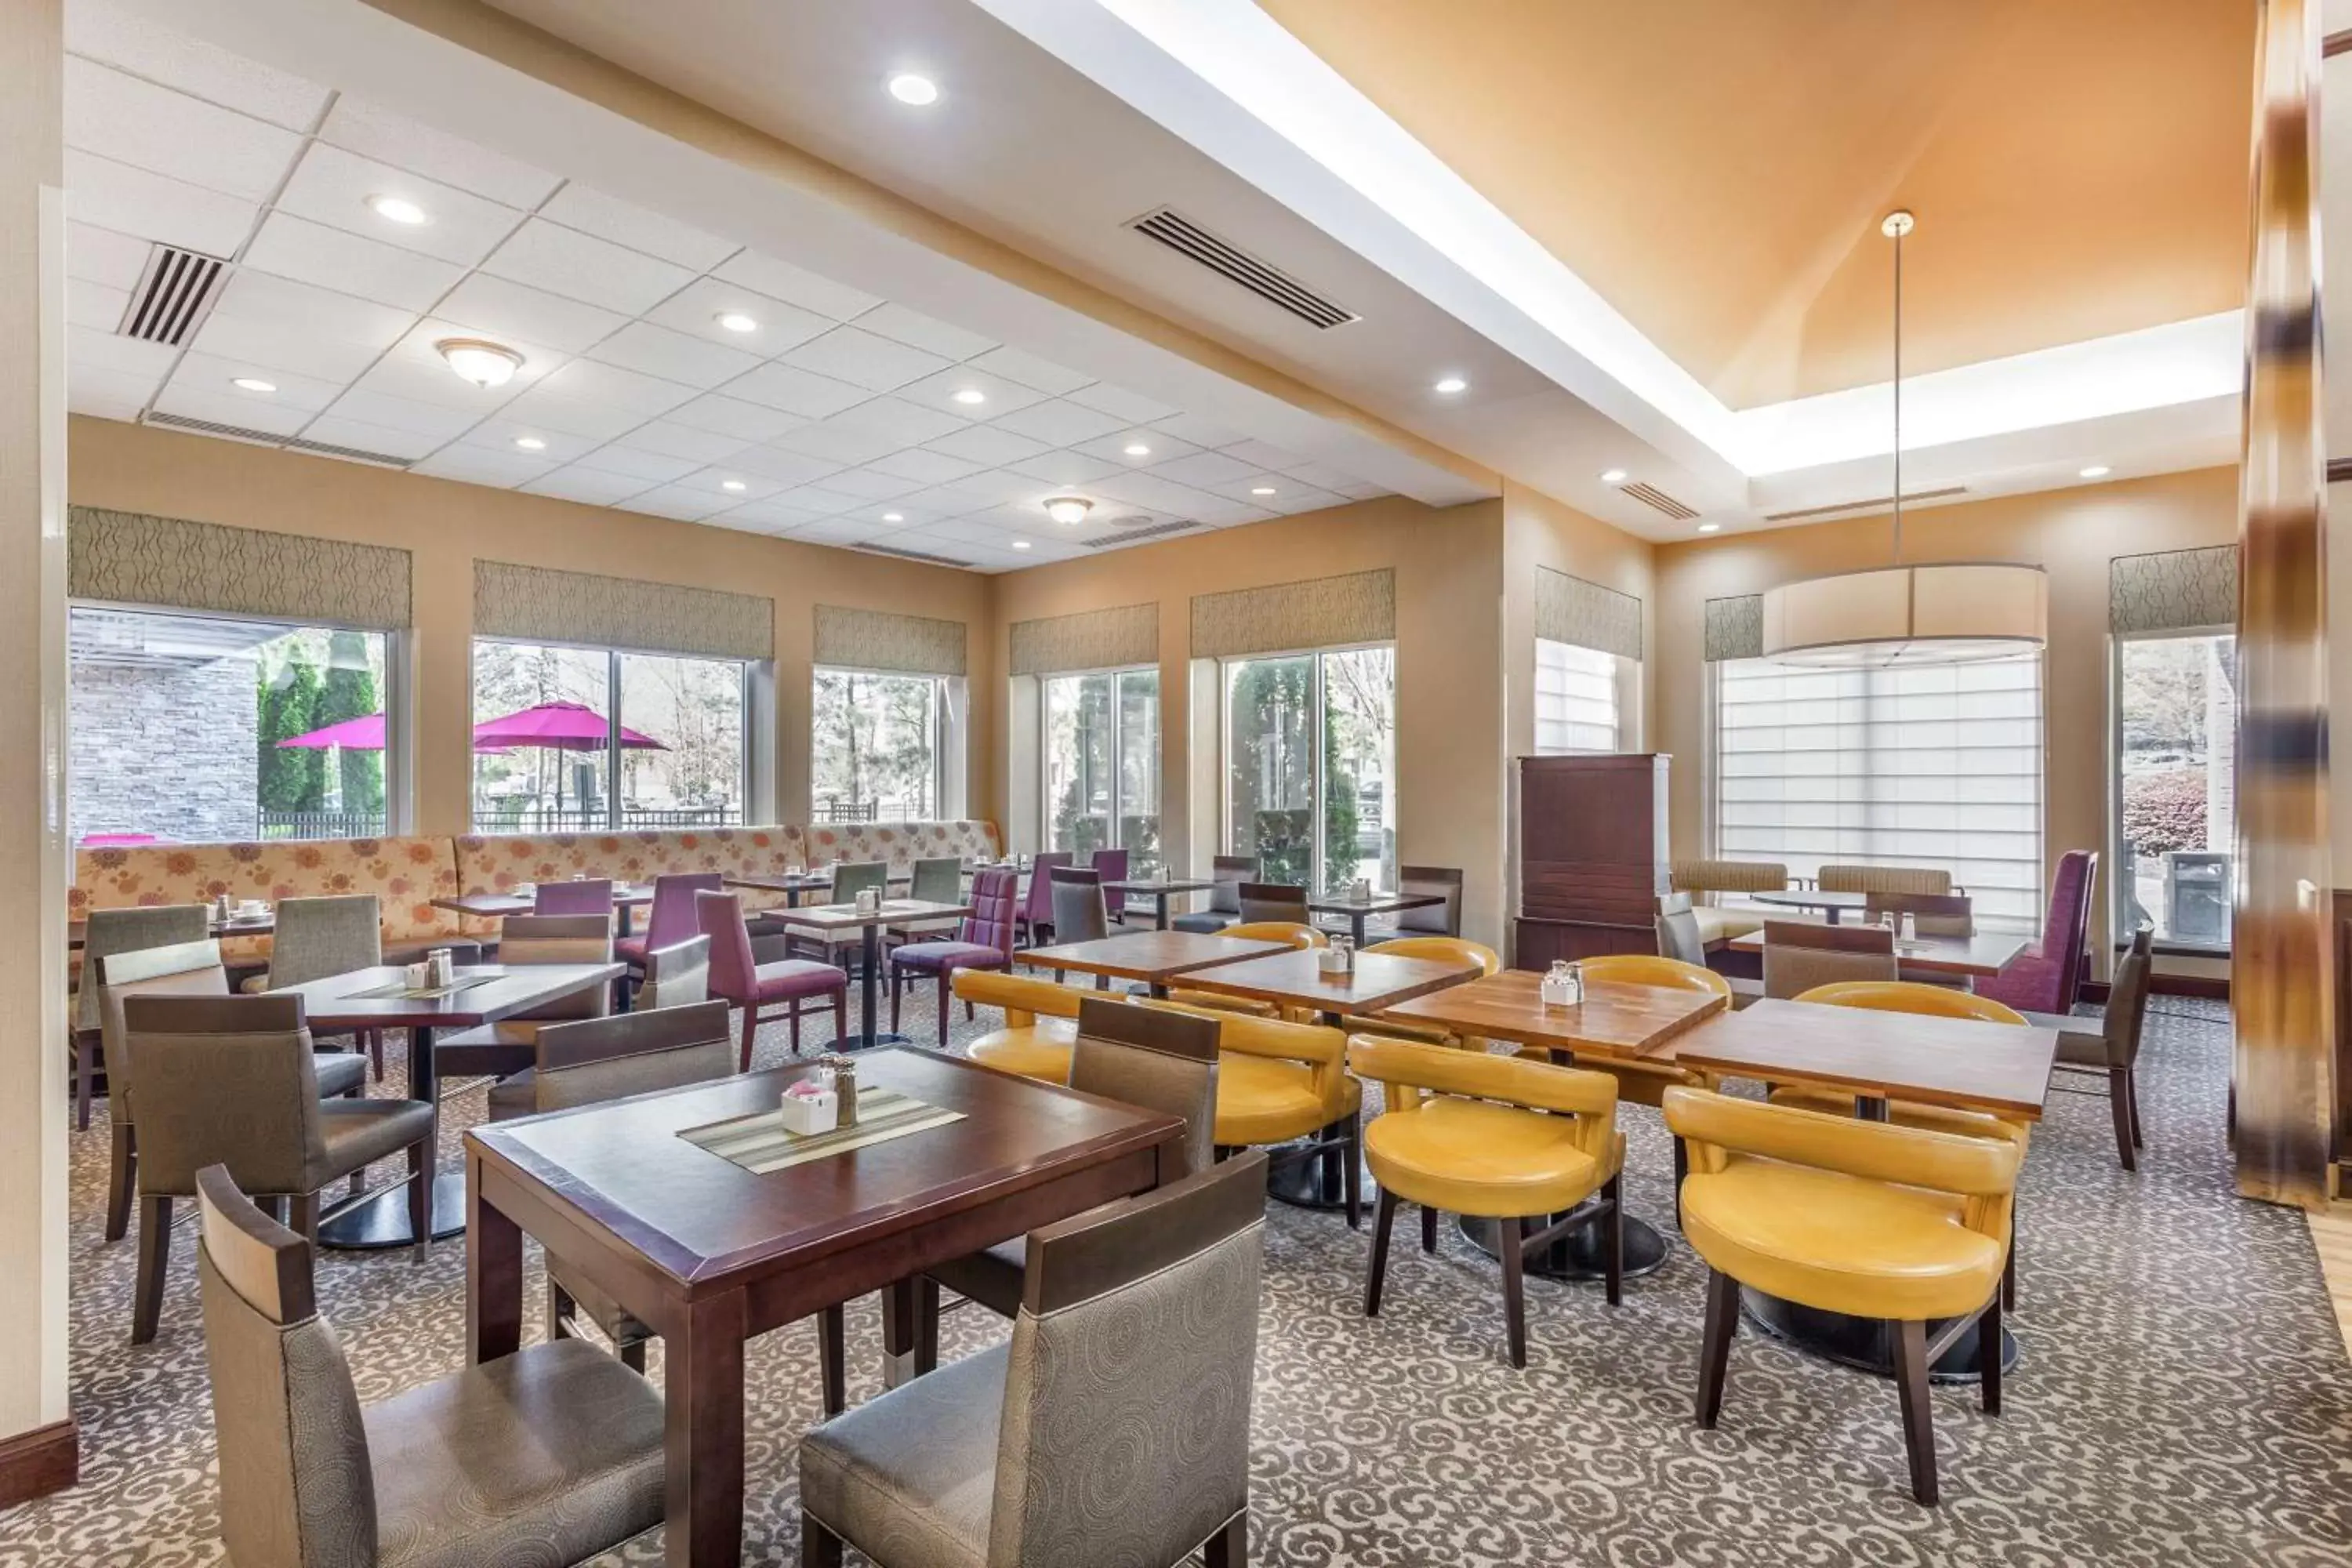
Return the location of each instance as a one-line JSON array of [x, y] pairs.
[[1576, 1256], [380, 1220], [1315, 1183], [1864, 1343]]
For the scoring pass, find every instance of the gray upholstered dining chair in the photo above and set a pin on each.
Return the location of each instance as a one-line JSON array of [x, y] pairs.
[[229, 1080], [1932, 914], [105, 934], [318, 939], [1113, 1428], [507, 1046], [1799, 955], [1426, 919], [850, 879], [1079, 913], [2111, 1050], [549, 1456], [1679, 937], [677, 976], [1226, 875], [1280, 902], [939, 880]]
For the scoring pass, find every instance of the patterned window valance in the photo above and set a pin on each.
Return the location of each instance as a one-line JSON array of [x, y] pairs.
[[536, 604], [1571, 610], [2173, 589], [877, 639], [130, 558], [1324, 612], [1735, 627], [1093, 639]]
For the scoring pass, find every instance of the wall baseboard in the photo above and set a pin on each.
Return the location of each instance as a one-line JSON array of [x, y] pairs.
[[2213, 987], [36, 1463]]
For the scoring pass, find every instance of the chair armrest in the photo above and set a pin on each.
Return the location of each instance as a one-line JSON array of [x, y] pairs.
[[1717, 1126]]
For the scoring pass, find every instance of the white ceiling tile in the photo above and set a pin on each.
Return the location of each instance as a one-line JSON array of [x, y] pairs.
[[177, 59], [1203, 469], [904, 422], [1241, 486], [869, 484], [331, 186], [1320, 475], [421, 383], [406, 143], [1058, 424], [835, 443], [135, 202], [302, 393], [1229, 513], [106, 394], [893, 319], [675, 501], [1160, 495], [117, 356], [482, 466], [154, 128], [1302, 499], [270, 348], [609, 218], [1030, 371], [675, 356], [941, 501], [862, 359], [95, 255], [768, 517], [797, 286], [1361, 489], [695, 310], [1063, 467], [817, 503], [402, 414], [96, 306], [788, 467], [586, 381], [592, 486], [1113, 448], [290, 247], [1131, 407], [939, 391], [505, 311], [1199, 431], [363, 436], [782, 387], [967, 531], [498, 433], [746, 485], [1263, 455], [899, 512], [582, 266], [574, 416], [839, 531], [925, 467], [685, 441], [651, 467], [995, 487], [224, 405], [741, 521], [988, 444], [726, 415], [286, 325]]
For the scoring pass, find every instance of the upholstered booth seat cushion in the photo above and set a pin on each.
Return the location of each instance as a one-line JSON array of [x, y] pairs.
[[339, 1072], [1840, 1243], [1906, 1113], [934, 956], [1469, 1156], [787, 978], [1038, 1050], [1207, 923], [1716, 924], [1264, 1100], [360, 1131], [992, 1278], [545, 1457], [911, 1480]]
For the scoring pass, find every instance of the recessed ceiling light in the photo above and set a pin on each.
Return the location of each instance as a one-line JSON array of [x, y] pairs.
[[397, 209], [531, 443], [894, 517], [1020, 544], [732, 485], [1710, 527], [1068, 509], [1261, 489], [971, 396], [1613, 476], [253, 384], [2097, 471], [738, 321], [919, 91], [483, 364], [1451, 384], [1136, 449]]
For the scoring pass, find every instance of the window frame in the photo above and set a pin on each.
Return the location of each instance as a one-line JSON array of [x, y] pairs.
[[1117, 728], [943, 725], [1317, 742], [2117, 902]]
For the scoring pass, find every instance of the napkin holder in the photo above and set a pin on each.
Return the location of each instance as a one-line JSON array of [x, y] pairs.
[[810, 1113]]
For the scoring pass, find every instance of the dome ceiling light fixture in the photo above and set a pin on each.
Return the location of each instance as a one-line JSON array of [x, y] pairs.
[[1068, 511], [1880, 617], [479, 361]]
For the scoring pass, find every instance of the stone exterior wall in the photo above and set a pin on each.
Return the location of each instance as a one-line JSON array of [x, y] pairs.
[[165, 750]]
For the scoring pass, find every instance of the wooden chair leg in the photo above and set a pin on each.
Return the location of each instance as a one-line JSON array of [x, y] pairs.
[[632, 1355], [2009, 1273], [820, 1547], [1515, 1291], [558, 1313], [1988, 1348], [943, 1009], [1682, 1172], [833, 1358], [1229, 1548], [750, 1029], [1715, 1345], [1384, 1217], [1918, 1425], [1612, 1240], [2131, 1082], [420, 1192], [898, 989], [968, 1016], [793, 1013], [303, 1216], [1352, 1171], [375, 1052], [1429, 1230], [155, 1258], [2119, 1103], [122, 1178], [85, 1069]]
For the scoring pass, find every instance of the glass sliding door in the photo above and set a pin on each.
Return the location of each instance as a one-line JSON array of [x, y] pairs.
[[1357, 834], [1310, 766], [1102, 764], [1138, 749], [2175, 748], [1270, 764]]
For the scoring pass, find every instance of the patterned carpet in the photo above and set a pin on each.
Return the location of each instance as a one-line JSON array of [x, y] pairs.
[[2183, 1395]]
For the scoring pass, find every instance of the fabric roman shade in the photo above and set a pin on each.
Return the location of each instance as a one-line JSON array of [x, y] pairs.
[[130, 558], [877, 639], [1093, 639], [1571, 610], [1735, 628], [1323, 612], [2173, 589], [535, 603]]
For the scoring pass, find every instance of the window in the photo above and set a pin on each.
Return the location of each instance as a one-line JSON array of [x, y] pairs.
[[1102, 764], [1575, 698], [2176, 748], [874, 752], [1310, 766], [196, 729], [547, 735], [1931, 766]]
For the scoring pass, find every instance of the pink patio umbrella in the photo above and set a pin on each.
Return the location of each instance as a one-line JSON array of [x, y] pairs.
[[558, 726], [364, 734]]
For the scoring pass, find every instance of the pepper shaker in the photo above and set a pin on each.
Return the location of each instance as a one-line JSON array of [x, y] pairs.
[[845, 1086]]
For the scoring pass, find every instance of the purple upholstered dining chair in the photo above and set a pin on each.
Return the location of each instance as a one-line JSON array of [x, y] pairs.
[[1112, 864], [984, 940], [737, 976], [586, 898], [1036, 911], [672, 919], [2046, 976]]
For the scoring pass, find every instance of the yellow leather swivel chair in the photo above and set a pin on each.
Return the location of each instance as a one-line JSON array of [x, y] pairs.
[[1283, 1087], [1841, 1215], [1499, 1137], [1454, 949], [1296, 935], [1041, 1023], [1642, 1081]]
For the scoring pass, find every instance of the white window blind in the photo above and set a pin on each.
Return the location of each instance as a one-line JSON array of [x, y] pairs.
[[1575, 698], [1933, 765]]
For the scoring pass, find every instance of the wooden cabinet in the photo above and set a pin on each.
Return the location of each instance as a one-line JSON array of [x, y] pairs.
[[1591, 856]]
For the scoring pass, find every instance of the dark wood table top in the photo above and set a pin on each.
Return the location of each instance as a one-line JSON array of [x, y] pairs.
[[1378, 904], [496, 906], [803, 881], [1614, 1020], [1985, 954], [2000, 1067], [705, 1222], [1155, 956], [1809, 898], [1147, 886], [846, 917], [330, 1004], [1291, 977]]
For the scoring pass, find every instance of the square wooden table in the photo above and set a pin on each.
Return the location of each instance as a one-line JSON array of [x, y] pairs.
[[710, 1254], [330, 1006], [797, 885], [627, 898], [1154, 957], [1358, 911], [1985, 954], [1291, 978], [830, 918], [1158, 893]]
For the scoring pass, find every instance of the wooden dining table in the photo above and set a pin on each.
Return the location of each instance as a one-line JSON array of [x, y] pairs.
[[1980, 956], [710, 1254], [1153, 957], [1159, 891], [1356, 912], [830, 918], [627, 898], [483, 994]]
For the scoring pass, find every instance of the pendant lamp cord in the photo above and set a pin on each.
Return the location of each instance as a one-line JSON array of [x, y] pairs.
[[1898, 397]]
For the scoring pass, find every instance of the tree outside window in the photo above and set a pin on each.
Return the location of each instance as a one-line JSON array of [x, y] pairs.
[[874, 746]]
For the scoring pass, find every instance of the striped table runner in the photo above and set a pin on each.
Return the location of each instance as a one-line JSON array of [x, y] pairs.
[[760, 1142]]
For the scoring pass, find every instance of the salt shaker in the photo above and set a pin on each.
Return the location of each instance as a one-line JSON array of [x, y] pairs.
[[221, 910], [845, 1086]]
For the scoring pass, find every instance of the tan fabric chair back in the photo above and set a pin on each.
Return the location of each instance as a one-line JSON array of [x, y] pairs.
[[226, 1080], [1159, 1060], [1729, 877], [1262, 902], [1678, 934], [189, 969], [109, 931], [1798, 957], [1126, 1428], [318, 937], [598, 1060], [1885, 880], [562, 939], [676, 976], [1932, 914], [297, 1490]]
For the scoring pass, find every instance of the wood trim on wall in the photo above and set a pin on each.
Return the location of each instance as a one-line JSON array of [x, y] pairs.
[[2339, 468], [36, 1463], [2336, 44]]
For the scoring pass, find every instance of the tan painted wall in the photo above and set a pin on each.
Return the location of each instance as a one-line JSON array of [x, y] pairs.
[[2071, 533], [448, 525]]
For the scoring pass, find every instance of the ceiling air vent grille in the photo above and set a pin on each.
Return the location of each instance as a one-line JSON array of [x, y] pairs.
[[1657, 500], [1910, 498], [911, 555], [1130, 535], [270, 438], [1262, 279], [175, 292], [356, 454]]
